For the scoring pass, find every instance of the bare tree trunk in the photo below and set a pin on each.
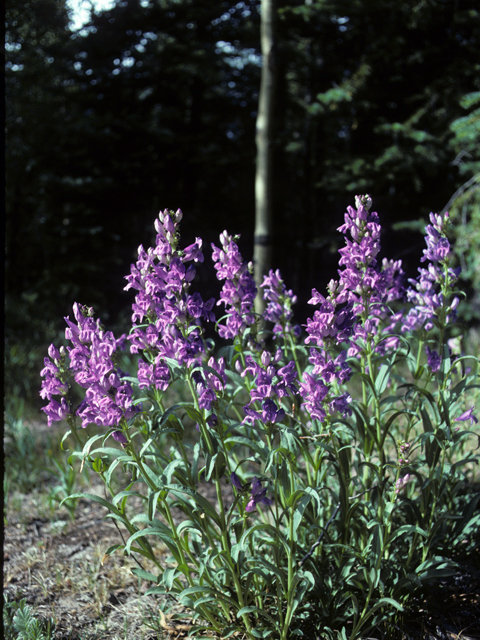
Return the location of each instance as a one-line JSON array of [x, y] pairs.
[[262, 254]]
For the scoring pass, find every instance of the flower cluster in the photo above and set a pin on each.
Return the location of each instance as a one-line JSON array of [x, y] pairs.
[[270, 385], [401, 483], [210, 383], [279, 304], [430, 292], [351, 313], [363, 284], [238, 291], [55, 374], [108, 397], [162, 277]]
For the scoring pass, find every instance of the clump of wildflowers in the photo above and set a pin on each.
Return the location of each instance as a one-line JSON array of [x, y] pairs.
[[321, 458]]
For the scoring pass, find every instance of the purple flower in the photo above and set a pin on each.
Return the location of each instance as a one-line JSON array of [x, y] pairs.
[[52, 384], [429, 293], [257, 496], [271, 384], [162, 278], [157, 374], [235, 480], [279, 304], [193, 251], [119, 437], [239, 290], [342, 404], [56, 410], [467, 415], [433, 359], [402, 483], [108, 399], [314, 390]]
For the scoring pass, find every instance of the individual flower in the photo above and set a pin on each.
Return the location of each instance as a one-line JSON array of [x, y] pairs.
[[433, 359], [120, 437], [467, 415], [257, 495], [56, 411], [235, 480]]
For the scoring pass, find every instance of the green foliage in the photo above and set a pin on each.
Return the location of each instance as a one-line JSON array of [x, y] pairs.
[[31, 461], [21, 449], [68, 485], [21, 623], [464, 205]]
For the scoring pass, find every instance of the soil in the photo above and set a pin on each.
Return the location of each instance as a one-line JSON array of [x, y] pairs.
[[59, 567]]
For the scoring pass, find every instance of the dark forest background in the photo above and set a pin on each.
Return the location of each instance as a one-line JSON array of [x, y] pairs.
[[152, 105]]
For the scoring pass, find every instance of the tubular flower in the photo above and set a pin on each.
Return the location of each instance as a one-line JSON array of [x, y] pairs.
[[467, 415], [257, 495]]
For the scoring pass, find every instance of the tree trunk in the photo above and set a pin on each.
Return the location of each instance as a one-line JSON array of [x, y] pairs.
[[262, 253]]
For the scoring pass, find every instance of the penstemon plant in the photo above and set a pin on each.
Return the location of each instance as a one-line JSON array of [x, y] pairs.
[[304, 485]]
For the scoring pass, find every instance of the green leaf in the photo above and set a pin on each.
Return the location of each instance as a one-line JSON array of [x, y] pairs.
[[126, 494], [381, 381], [299, 511], [111, 550], [161, 532], [94, 498], [259, 612], [202, 503], [255, 445], [436, 568], [405, 530], [145, 575]]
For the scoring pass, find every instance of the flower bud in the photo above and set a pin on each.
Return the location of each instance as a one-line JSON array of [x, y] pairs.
[[53, 352], [266, 357]]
